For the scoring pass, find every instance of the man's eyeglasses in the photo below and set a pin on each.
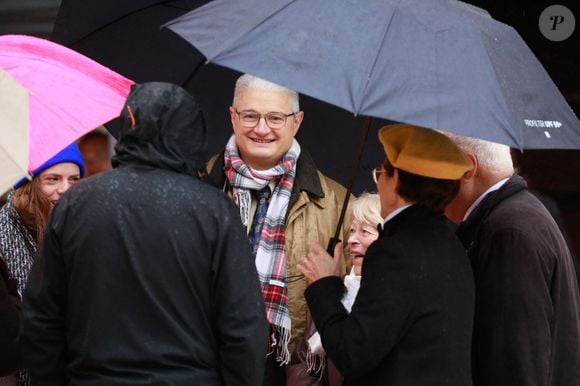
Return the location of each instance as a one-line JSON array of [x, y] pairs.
[[376, 172], [250, 118]]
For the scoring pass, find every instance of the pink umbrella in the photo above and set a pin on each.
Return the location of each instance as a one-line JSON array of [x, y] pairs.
[[68, 95]]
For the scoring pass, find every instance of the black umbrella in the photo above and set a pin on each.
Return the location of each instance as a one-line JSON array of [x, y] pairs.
[[127, 37]]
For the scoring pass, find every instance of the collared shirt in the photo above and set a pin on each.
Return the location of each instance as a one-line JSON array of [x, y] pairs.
[[476, 202], [396, 212]]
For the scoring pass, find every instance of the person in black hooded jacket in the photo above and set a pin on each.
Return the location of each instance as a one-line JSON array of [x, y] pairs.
[[145, 276]]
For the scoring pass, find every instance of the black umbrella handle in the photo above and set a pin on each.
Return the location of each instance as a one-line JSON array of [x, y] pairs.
[[363, 137], [331, 244]]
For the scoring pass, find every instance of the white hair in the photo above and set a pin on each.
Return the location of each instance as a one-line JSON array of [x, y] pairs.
[[248, 81], [366, 208], [492, 156]]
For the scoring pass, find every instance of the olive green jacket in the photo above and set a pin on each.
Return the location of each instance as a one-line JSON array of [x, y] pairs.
[[314, 210]]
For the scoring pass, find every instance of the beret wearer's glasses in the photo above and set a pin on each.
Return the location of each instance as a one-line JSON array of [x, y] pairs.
[[376, 173]]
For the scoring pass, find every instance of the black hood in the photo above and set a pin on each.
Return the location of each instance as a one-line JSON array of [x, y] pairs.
[[162, 126]]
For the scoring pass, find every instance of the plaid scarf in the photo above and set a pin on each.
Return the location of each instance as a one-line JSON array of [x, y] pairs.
[[271, 254]]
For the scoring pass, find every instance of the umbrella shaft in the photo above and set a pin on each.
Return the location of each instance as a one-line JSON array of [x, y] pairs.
[[363, 138]]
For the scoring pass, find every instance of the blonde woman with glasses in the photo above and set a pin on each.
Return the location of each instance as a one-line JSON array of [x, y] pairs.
[[366, 216]]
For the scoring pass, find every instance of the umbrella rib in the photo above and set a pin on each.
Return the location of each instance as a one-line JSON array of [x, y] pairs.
[[234, 37], [373, 64], [243, 33], [14, 160], [520, 140], [117, 19], [478, 13]]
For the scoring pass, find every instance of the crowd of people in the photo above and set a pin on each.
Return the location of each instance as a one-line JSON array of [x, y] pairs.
[[163, 265]]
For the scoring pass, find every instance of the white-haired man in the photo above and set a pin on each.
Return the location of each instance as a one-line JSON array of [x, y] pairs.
[[285, 203], [527, 313]]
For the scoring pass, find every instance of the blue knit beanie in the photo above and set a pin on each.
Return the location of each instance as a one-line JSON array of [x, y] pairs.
[[71, 153]]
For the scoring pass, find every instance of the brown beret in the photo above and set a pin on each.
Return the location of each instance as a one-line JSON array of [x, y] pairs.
[[424, 152]]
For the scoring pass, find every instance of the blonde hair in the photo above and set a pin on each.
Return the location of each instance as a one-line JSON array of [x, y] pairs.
[[366, 208], [248, 81]]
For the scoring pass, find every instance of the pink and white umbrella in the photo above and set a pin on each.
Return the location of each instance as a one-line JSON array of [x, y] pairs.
[[50, 95]]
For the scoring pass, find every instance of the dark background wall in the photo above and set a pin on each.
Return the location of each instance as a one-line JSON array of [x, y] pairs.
[[330, 134]]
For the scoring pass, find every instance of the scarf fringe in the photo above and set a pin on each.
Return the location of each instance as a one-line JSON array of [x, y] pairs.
[[243, 200], [280, 346], [315, 363]]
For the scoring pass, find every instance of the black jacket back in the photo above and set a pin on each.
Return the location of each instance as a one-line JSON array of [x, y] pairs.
[[146, 277]]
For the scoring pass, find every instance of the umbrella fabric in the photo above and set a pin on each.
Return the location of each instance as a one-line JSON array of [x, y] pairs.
[[126, 36], [68, 95], [13, 143], [437, 63], [77, 19]]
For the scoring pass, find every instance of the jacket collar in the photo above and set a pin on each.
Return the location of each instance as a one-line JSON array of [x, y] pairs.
[[306, 178], [408, 216], [468, 230], [216, 174]]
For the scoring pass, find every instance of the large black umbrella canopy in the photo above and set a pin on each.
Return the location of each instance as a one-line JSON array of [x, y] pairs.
[[77, 19], [127, 37]]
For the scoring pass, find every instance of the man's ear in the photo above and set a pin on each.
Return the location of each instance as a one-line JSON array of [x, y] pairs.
[[298, 118], [469, 174], [233, 115]]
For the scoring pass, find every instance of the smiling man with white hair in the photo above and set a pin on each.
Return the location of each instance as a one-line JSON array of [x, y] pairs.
[[285, 204]]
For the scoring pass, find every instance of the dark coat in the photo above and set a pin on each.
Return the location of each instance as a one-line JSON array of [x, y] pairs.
[[10, 322], [412, 319], [146, 277], [527, 315]]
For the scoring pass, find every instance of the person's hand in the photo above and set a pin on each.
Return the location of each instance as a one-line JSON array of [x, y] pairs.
[[318, 263]]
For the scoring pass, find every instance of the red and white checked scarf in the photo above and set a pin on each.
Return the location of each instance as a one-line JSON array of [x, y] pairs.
[[271, 254]]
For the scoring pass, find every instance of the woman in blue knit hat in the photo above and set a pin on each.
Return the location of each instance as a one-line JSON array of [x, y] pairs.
[[24, 217]]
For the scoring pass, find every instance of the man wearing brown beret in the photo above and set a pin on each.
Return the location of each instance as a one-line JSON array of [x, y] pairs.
[[412, 320]]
